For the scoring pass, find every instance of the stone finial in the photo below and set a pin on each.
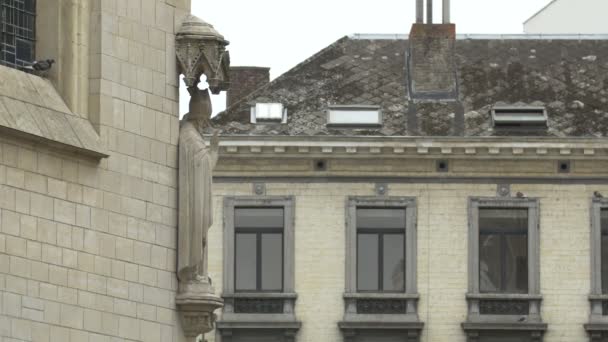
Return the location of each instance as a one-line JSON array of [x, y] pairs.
[[201, 50]]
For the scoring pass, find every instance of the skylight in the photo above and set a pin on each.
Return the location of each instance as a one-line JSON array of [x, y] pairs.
[[519, 117], [268, 112], [354, 116]]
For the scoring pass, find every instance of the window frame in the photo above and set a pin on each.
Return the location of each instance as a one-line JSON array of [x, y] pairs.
[[287, 203], [281, 323], [402, 323], [598, 300], [407, 203], [354, 108], [504, 307], [532, 204]]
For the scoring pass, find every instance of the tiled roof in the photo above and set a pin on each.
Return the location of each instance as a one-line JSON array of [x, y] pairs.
[[567, 76]]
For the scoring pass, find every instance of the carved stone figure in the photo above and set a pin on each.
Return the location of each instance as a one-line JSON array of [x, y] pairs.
[[200, 49], [196, 163]]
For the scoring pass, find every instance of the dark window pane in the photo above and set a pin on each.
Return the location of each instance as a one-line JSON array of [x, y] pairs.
[[258, 217], [604, 221], [394, 262], [380, 218], [503, 250], [503, 220], [24, 50], [17, 31], [245, 256], [516, 263], [490, 271], [367, 262], [604, 251], [605, 263], [272, 262]]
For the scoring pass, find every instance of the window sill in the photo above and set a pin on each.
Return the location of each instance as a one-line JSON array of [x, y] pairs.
[[598, 319], [504, 312], [36, 112], [259, 310], [597, 331], [277, 295], [381, 311]]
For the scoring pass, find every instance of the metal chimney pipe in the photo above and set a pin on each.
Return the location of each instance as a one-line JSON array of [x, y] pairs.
[[429, 11], [419, 11], [446, 11]]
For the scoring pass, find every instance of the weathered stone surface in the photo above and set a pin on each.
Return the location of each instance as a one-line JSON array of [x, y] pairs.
[[567, 76], [30, 107]]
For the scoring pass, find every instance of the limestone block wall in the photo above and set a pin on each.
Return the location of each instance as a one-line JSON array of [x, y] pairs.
[[442, 253], [87, 248]]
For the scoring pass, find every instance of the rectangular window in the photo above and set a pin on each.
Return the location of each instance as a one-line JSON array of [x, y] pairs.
[[268, 113], [258, 249], [354, 116], [381, 250], [519, 117], [503, 250], [504, 268], [17, 32]]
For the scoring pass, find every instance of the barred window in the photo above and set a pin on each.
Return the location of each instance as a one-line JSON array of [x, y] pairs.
[[18, 32]]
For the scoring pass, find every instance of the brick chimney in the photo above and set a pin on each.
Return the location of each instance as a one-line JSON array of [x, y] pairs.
[[244, 80], [432, 72]]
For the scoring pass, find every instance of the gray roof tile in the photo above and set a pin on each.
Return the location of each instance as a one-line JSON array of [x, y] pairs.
[[568, 77]]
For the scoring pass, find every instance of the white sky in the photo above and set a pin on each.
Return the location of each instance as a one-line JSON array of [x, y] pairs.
[[282, 33]]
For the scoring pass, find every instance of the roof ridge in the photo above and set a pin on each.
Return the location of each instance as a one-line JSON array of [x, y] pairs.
[[540, 11], [296, 68]]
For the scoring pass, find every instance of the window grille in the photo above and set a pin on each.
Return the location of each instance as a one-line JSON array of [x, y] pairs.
[[17, 32]]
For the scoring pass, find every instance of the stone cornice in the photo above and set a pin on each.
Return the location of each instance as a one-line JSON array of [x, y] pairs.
[[447, 147]]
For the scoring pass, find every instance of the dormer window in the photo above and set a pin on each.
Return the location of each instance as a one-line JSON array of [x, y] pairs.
[[17, 32], [268, 113], [354, 116], [519, 118]]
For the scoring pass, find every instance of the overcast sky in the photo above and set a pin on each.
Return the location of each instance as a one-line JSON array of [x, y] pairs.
[[282, 33]]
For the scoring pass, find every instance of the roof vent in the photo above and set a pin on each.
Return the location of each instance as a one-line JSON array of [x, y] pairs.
[[268, 113], [354, 116], [519, 117]]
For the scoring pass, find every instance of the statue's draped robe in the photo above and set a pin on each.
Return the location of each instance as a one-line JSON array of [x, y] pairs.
[[196, 163]]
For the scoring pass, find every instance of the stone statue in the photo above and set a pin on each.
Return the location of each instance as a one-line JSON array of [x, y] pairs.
[[196, 163], [200, 49]]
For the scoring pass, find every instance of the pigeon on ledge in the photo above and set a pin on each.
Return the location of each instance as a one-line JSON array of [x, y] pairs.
[[39, 67]]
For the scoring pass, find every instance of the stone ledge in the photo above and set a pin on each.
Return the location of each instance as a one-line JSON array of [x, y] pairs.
[[31, 108], [380, 325], [601, 327], [519, 326]]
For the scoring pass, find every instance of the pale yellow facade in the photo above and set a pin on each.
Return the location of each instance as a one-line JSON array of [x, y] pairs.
[[442, 226]]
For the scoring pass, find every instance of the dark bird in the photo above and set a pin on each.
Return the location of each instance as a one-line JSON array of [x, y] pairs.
[[38, 67], [597, 194], [520, 194], [521, 319]]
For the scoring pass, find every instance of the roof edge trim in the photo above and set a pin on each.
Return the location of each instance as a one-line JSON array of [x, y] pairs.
[[476, 36]]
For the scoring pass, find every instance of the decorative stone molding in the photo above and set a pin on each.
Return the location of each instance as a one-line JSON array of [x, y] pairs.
[[439, 147], [201, 49], [196, 312]]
